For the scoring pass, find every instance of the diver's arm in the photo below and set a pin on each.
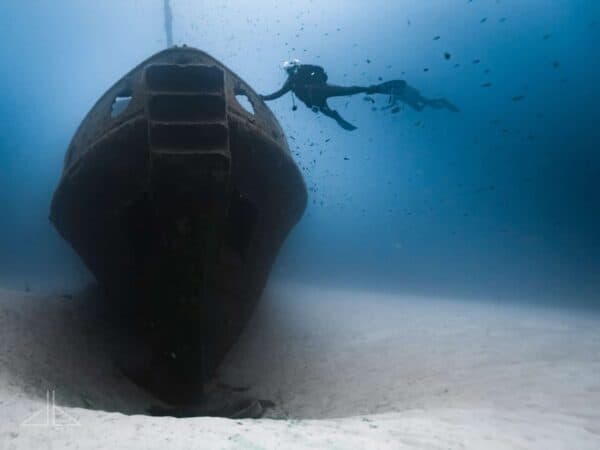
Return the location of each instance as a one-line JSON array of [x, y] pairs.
[[284, 90]]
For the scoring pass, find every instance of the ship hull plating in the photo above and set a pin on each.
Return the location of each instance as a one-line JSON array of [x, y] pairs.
[[178, 203]]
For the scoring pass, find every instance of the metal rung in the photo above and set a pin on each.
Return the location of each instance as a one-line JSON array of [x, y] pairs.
[[189, 137], [184, 78], [187, 108], [158, 152]]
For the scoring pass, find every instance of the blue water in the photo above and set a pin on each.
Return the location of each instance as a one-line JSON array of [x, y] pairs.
[[500, 200]]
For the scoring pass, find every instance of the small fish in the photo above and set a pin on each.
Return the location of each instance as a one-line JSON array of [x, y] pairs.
[[483, 20], [368, 61], [518, 98], [556, 64], [486, 85], [366, 98], [447, 55], [502, 20], [476, 61], [547, 36], [346, 158], [436, 38], [426, 69], [327, 140]]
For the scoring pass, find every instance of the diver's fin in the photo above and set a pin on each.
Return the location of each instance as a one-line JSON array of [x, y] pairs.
[[439, 103], [451, 106], [388, 87], [342, 123], [336, 116], [345, 125]]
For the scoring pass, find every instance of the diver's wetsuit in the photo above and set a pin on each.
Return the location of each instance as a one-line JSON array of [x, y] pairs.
[[309, 83]]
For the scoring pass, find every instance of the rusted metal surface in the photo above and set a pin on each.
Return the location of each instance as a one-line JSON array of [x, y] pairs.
[[178, 204]]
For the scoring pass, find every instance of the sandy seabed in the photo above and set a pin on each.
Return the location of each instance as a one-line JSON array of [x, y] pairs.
[[347, 370]]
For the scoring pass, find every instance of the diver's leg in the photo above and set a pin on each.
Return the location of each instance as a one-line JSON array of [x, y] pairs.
[[330, 90], [389, 87], [335, 115]]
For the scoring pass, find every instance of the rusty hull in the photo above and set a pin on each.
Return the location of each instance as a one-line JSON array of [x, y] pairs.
[[178, 206]]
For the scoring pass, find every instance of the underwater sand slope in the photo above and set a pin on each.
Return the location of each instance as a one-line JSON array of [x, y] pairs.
[[349, 369]]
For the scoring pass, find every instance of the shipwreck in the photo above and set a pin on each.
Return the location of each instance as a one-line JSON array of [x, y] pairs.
[[177, 197]]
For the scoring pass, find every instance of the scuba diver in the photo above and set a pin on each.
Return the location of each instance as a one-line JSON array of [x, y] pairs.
[[309, 83]]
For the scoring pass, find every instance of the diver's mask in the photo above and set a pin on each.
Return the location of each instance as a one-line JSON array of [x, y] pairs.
[[290, 66]]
